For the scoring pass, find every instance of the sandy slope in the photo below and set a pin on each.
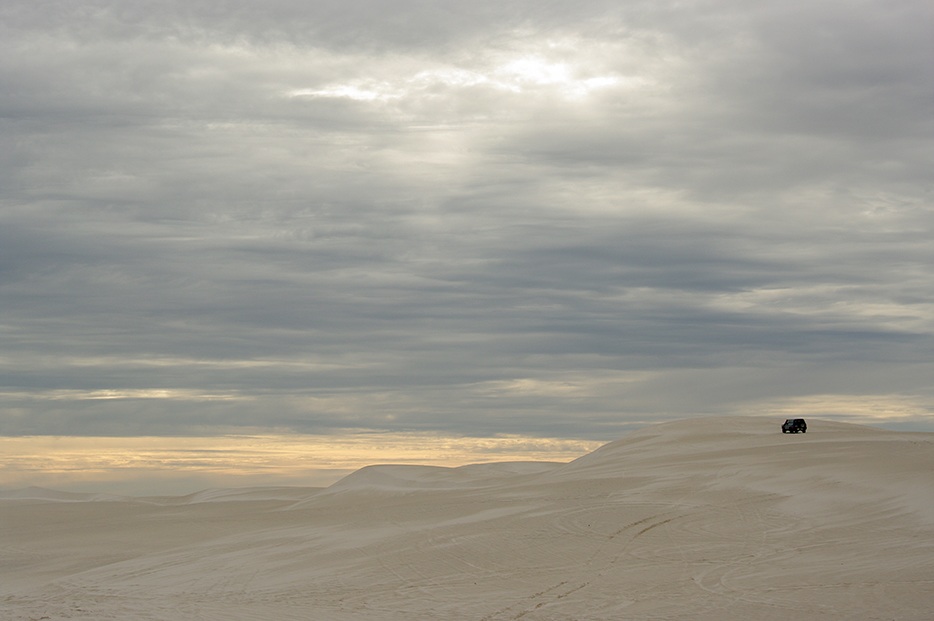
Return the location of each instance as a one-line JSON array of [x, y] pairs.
[[703, 519]]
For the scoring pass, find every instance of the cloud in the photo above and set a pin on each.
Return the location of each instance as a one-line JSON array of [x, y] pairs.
[[543, 220]]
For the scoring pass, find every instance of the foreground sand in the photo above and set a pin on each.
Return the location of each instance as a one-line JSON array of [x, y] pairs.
[[719, 519]]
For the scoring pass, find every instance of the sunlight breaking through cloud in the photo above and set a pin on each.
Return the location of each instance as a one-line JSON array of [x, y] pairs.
[[518, 75]]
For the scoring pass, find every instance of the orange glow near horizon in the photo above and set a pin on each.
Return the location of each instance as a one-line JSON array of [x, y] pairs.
[[193, 463]]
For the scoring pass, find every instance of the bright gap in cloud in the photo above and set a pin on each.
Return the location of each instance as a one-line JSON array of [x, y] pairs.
[[360, 91], [107, 394], [516, 75]]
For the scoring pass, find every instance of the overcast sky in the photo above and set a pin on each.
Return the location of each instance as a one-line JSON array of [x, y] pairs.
[[551, 219]]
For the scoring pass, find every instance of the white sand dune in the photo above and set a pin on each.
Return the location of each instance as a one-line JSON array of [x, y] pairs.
[[706, 519]]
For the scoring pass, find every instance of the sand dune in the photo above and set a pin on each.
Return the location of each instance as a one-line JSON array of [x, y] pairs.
[[713, 519]]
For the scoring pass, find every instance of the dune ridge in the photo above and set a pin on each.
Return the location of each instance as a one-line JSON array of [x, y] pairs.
[[709, 518]]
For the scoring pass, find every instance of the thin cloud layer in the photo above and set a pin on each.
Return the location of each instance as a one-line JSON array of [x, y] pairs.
[[489, 219]]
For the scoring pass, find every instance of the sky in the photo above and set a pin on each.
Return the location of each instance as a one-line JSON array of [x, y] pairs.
[[536, 223]]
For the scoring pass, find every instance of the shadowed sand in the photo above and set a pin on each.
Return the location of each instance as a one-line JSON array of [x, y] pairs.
[[715, 518]]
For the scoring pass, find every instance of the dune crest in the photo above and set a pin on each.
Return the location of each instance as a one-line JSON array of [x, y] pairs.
[[704, 519]]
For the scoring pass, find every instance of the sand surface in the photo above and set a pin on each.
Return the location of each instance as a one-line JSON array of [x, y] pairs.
[[719, 519]]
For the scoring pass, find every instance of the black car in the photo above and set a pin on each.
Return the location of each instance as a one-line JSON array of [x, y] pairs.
[[794, 425]]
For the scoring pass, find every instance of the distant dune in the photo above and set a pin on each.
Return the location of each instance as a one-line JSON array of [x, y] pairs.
[[704, 519]]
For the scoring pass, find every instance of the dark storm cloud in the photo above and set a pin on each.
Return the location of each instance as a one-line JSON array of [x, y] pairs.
[[529, 218]]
